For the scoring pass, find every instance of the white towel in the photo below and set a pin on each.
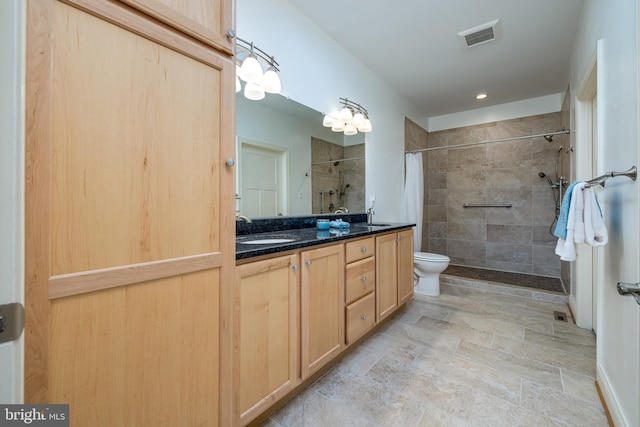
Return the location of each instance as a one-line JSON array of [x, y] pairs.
[[595, 230], [566, 248]]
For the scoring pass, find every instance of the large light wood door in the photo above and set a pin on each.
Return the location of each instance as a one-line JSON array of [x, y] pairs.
[[206, 20], [267, 340], [129, 238], [405, 266], [386, 275], [322, 306]]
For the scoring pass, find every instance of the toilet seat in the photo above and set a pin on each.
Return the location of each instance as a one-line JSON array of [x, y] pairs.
[[427, 256]]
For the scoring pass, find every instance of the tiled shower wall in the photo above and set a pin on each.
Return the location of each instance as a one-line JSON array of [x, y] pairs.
[[342, 181], [513, 239]]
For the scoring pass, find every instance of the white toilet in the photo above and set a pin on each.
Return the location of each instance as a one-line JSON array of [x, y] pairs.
[[427, 267]]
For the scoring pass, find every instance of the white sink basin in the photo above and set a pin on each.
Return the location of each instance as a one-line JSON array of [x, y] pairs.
[[266, 241]]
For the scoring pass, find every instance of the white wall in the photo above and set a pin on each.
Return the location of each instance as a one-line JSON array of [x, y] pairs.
[[12, 19], [316, 71], [512, 110], [615, 24]]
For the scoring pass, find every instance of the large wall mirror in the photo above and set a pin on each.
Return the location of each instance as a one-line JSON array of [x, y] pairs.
[[289, 164]]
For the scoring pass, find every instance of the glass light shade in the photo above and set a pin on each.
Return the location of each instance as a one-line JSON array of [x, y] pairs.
[[253, 91], [327, 121], [337, 126], [350, 130], [238, 85], [251, 71], [366, 126], [358, 119], [271, 81], [345, 115]]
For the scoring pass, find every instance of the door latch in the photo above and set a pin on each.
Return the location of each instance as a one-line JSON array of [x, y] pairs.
[[630, 289], [11, 321]]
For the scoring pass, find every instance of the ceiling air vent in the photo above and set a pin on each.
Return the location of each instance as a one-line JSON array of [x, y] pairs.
[[481, 34]]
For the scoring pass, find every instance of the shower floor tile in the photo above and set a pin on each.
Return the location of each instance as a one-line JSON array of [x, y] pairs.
[[543, 283]]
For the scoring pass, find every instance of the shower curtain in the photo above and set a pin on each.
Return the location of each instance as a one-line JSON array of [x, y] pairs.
[[413, 197]]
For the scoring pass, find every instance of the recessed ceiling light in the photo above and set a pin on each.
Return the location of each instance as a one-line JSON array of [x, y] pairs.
[[481, 96]]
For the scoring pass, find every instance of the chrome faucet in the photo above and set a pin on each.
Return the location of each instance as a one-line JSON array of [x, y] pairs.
[[370, 214], [244, 218]]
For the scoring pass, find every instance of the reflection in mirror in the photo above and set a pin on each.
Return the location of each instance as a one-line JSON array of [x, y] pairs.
[[289, 164]]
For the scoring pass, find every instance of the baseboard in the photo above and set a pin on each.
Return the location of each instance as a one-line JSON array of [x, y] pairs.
[[609, 402]]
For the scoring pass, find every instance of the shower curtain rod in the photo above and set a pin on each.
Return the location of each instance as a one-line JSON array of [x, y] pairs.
[[559, 132]]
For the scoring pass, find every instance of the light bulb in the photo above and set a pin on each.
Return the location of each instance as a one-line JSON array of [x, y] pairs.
[[271, 81], [253, 91], [350, 130], [345, 114], [327, 121], [366, 126], [358, 119], [337, 126], [251, 71]]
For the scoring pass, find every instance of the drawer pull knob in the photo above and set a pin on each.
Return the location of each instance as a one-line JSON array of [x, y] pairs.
[[364, 317], [295, 267], [364, 278], [308, 262], [364, 250]]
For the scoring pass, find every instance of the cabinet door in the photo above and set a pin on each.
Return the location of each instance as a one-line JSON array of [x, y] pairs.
[[267, 343], [322, 308], [206, 20], [405, 266], [129, 210], [386, 275]]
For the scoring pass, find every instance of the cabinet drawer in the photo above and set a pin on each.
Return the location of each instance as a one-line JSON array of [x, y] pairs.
[[361, 316], [360, 249], [360, 279]]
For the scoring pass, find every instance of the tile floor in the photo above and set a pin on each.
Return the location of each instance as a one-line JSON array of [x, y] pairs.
[[471, 357]]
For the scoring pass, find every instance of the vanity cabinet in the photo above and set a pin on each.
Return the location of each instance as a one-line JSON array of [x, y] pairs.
[[360, 282], [405, 266], [295, 312], [394, 271], [322, 305], [267, 340]]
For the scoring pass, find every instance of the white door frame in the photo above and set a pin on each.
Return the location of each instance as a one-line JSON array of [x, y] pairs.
[[12, 83], [583, 270]]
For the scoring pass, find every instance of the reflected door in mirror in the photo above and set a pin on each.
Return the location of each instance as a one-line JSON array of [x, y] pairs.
[[262, 183]]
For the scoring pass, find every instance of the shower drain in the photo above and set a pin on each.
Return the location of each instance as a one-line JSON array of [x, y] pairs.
[[558, 315]]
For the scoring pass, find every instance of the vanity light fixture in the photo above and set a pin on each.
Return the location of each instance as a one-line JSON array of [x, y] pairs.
[[249, 69], [351, 119]]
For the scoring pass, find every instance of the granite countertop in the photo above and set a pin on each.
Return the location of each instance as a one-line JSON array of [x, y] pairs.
[[303, 233]]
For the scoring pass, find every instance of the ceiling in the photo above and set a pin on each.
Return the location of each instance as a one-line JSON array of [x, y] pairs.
[[413, 45]]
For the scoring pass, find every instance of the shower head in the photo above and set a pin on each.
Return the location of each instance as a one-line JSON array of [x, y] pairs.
[[336, 163], [548, 138], [543, 175]]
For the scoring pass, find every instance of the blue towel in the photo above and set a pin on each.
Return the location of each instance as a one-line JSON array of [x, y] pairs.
[[339, 224], [561, 227]]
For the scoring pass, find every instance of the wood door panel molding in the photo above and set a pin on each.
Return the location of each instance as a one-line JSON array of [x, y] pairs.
[[128, 17], [65, 285]]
